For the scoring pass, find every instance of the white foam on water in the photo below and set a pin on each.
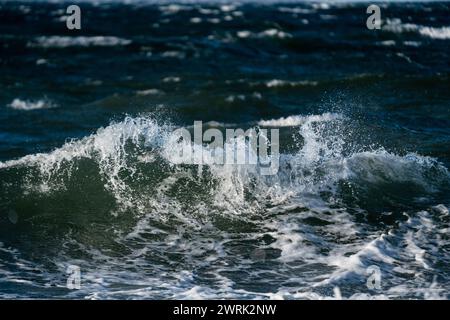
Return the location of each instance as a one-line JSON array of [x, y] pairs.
[[275, 33], [352, 255], [292, 121], [388, 43], [147, 92], [396, 26], [334, 251], [275, 83], [173, 54], [442, 209], [268, 33], [27, 105], [295, 10], [172, 79], [435, 33], [319, 164], [106, 147], [79, 41], [412, 43]]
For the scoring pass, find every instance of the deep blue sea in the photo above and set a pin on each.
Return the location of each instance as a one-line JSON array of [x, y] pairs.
[[358, 209]]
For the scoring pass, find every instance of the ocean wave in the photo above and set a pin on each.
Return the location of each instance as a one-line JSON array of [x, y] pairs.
[[151, 91], [122, 153], [396, 26], [27, 105], [268, 33], [80, 41], [293, 121], [296, 10], [171, 79], [186, 211], [276, 83], [435, 33]]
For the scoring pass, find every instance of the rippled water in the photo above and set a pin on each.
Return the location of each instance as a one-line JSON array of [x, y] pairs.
[[86, 177]]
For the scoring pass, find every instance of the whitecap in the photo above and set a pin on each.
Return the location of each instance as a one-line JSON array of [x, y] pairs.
[[149, 92], [171, 79], [297, 120], [435, 33], [27, 105], [283, 83], [268, 33], [80, 41], [396, 26]]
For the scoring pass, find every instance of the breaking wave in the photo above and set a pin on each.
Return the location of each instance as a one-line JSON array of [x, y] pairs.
[[308, 215], [135, 160], [396, 26]]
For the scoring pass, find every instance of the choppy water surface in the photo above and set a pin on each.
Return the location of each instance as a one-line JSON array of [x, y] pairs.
[[85, 171]]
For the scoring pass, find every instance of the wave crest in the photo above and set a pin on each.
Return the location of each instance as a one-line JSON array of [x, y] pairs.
[[133, 159]]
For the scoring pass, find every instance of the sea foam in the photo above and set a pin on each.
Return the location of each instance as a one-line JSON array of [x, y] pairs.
[[80, 41], [27, 105]]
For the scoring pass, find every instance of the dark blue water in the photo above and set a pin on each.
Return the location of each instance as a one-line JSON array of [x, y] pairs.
[[85, 176]]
